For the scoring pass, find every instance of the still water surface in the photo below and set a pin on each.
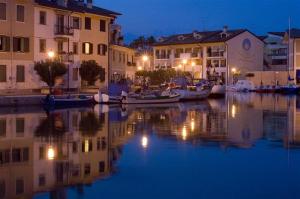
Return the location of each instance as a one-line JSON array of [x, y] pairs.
[[244, 146]]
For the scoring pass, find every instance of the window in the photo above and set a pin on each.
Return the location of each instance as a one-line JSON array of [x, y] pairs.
[[88, 23], [60, 47], [2, 11], [5, 156], [2, 127], [42, 45], [102, 26], [102, 49], [4, 43], [16, 155], [21, 44], [76, 23], [74, 147], [87, 169], [43, 18], [87, 146], [75, 74], [2, 73], [101, 167], [19, 186], [20, 13], [75, 48], [42, 153], [20, 76], [20, 125], [2, 189], [42, 180], [25, 154], [87, 48]]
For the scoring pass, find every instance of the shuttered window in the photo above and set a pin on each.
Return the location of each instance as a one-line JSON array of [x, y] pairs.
[[43, 18], [2, 11], [75, 74], [102, 26], [2, 73], [42, 45], [20, 125], [87, 48], [2, 127], [21, 44], [4, 44], [20, 73], [88, 23], [20, 13], [102, 49], [76, 23]]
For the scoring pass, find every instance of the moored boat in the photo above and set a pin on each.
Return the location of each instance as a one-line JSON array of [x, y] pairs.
[[167, 96], [218, 91], [68, 101], [290, 89], [193, 93]]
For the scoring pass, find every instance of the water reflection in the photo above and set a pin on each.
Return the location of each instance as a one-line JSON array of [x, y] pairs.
[[45, 152]]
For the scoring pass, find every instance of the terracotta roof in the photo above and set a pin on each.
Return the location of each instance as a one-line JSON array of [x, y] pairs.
[[199, 37], [75, 7]]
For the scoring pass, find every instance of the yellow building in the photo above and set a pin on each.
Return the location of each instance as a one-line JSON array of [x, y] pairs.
[[73, 30]]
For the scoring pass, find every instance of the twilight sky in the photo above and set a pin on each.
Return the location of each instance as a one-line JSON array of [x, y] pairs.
[[163, 17]]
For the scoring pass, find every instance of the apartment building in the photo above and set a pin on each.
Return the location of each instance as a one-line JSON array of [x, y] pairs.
[[74, 30], [293, 36], [223, 53], [121, 57], [275, 52]]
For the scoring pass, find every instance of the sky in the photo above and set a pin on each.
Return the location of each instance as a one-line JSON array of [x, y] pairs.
[[165, 17]]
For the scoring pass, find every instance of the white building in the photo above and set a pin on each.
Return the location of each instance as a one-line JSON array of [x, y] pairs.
[[224, 53]]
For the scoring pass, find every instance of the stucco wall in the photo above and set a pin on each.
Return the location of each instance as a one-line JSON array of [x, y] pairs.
[[242, 58]]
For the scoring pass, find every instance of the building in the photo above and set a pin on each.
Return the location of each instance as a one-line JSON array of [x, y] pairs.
[[73, 30], [224, 53], [275, 52], [122, 58], [294, 52]]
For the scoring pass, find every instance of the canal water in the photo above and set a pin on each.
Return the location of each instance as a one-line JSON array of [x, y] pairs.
[[243, 146]]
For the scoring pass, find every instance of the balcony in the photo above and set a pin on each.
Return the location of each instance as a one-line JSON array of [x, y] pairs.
[[63, 30], [66, 57]]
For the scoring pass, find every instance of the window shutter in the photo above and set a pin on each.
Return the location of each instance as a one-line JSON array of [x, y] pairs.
[[99, 49], [104, 49], [26, 44], [7, 44], [15, 44], [91, 46], [80, 23], [83, 48]]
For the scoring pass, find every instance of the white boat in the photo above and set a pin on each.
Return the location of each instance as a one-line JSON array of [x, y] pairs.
[[242, 86], [194, 93], [167, 96], [101, 98], [218, 90]]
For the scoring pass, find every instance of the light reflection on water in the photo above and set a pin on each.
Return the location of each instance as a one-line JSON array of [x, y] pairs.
[[244, 146]]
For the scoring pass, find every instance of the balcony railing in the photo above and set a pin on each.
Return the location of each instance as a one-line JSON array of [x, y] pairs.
[[66, 57], [63, 30]]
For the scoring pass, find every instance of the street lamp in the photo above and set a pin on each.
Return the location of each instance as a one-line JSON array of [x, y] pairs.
[[140, 68], [51, 54], [145, 58]]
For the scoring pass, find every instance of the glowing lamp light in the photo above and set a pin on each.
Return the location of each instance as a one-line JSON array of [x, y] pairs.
[[51, 54], [144, 142], [193, 64], [192, 125], [86, 146], [184, 61], [179, 66], [140, 68], [233, 70], [145, 58], [233, 111], [184, 133], [51, 153]]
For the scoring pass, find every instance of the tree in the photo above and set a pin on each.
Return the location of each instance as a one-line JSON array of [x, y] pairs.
[[90, 124], [52, 126], [143, 43], [90, 71], [50, 70]]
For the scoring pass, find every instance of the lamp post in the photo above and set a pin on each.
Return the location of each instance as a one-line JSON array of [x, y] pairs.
[[145, 58], [51, 55]]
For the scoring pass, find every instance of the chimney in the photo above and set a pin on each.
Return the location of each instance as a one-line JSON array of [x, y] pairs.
[[89, 4]]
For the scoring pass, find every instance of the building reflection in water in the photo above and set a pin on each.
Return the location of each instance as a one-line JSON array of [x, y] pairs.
[[75, 147], [45, 153]]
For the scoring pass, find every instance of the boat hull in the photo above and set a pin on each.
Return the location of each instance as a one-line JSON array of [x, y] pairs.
[[67, 102], [133, 100], [193, 95]]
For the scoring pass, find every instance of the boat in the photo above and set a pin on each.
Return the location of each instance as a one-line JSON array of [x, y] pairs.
[[67, 101], [102, 98], [290, 89], [218, 90], [267, 89], [193, 92], [167, 96], [242, 86]]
